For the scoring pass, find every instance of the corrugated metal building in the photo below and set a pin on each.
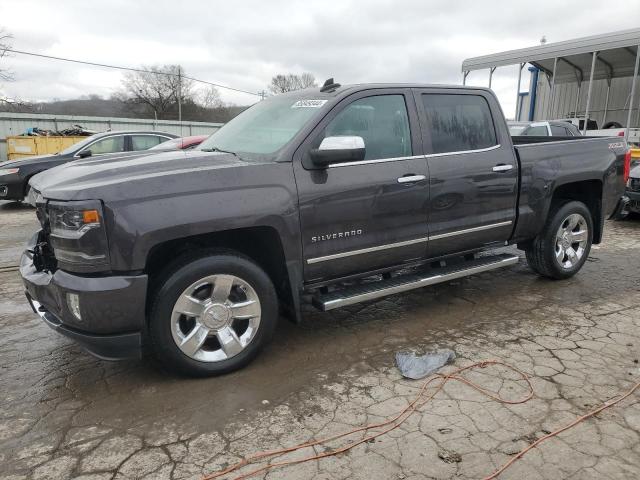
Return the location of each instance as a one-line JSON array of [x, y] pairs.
[[17, 123], [566, 100], [592, 76]]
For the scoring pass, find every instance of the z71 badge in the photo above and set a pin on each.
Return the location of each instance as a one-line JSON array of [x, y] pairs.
[[336, 235]]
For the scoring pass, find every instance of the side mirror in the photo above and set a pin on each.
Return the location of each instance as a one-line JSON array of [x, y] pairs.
[[337, 150], [85, 154]]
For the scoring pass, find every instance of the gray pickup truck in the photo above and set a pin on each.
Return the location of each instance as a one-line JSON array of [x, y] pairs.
[[335, 195]]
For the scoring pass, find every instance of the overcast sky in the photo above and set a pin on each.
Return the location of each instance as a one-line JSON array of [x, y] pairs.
[[244, 43]]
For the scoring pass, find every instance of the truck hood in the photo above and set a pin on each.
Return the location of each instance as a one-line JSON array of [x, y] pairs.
[[118, 178]]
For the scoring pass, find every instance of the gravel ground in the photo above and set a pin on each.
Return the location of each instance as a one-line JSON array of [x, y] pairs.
[[64, 414]]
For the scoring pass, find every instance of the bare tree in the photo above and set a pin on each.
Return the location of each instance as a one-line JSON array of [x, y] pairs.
[[4, 45], [158, 88], [209, 98], [289, 82], [8, 103]]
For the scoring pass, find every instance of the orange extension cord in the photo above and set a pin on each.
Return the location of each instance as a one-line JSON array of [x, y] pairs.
[[393, 423]]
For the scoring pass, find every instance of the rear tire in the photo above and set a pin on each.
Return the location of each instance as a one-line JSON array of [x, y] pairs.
[[212, 314], [561, 249]]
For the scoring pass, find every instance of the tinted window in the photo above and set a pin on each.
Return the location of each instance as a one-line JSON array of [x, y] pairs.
[[539, 131], [381, 121], [108, 145], [558, 131], [573, 130], [591, 125], [145, 142], [458, 122]]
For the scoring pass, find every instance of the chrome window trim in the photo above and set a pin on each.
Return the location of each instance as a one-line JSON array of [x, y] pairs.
[[463, 152], [413, 157], [366, 250], [377, 160], [470, 230], [350, 253]]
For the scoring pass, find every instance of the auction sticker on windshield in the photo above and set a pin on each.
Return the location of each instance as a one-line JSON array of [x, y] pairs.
[[308, 104]]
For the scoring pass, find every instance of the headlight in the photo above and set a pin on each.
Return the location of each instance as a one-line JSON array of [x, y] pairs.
[[8, 171], [78, 236], [73, 223]]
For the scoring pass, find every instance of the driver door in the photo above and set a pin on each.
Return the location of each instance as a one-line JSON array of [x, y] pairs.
[[358, 216]]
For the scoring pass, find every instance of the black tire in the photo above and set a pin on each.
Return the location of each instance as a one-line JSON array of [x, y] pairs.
[[541, 254], [609, 125], [183, 273]]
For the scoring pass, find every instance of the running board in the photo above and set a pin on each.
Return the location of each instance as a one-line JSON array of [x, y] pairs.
[[382, 288]]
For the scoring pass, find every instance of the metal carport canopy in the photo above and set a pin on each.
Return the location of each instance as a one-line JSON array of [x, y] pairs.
[[617, 52]]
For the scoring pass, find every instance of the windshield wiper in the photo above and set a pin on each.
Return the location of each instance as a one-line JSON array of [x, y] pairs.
[[216, 149]]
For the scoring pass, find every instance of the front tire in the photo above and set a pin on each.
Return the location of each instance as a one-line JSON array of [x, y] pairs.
[[562, 248], [212, 314]]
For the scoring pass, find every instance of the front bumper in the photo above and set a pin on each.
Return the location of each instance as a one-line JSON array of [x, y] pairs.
[[112, 308], [12, 187]]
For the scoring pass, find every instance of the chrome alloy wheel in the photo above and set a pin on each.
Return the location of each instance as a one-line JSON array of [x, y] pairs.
[[571, 240], [215, 318]]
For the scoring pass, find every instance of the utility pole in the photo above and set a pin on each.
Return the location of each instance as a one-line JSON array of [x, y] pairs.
[[179, 94]]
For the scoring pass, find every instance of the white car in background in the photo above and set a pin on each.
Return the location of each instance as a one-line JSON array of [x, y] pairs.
[[609, 129], [554, 128]]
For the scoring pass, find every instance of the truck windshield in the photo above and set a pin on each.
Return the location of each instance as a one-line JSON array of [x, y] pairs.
[[264, 128]]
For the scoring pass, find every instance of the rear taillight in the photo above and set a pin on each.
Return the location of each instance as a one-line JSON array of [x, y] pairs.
[[621, 134], [627, 165]]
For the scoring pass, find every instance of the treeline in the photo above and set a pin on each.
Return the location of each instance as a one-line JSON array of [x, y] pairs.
[[96, 106]]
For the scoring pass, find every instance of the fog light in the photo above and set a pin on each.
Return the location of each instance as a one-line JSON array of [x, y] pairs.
[[73, 302]]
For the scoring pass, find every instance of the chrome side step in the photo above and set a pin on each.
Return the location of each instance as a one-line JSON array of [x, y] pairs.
[[371, 291]]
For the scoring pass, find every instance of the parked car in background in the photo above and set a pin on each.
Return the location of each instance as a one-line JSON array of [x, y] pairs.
[[609, 129], [15, 174], [516, 127], [315, 195], [550, 129], [633, 191], [182, 143]]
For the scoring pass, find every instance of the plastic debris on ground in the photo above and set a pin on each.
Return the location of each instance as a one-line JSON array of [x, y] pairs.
[[415, 366]]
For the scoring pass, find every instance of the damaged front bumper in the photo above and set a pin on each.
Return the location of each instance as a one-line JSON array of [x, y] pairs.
[[112, 308]]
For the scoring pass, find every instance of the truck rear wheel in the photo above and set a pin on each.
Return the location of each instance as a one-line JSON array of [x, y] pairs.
[[212, 314], [561, 249]]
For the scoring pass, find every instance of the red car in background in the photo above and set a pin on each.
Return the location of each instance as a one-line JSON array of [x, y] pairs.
[[183, 143]]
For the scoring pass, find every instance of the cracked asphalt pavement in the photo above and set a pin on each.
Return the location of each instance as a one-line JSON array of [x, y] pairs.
[[65, 414]]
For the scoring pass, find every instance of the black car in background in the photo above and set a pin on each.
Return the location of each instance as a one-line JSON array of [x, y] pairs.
[[15, 174], [633, 189]]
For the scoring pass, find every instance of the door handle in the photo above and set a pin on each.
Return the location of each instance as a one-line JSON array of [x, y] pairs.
[[502, 168], [411, 178]]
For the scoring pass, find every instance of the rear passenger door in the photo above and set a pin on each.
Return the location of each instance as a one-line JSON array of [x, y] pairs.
[[472, 170]]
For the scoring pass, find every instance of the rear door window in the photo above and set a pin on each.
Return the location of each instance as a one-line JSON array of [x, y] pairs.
[[558, 131], [457, 123], [145, 142], [539, 131]]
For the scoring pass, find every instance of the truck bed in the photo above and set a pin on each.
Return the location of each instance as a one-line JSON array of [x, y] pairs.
[[547, 163]]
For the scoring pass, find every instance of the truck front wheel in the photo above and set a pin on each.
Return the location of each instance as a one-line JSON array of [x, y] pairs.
[[212, 314], [561, 249]]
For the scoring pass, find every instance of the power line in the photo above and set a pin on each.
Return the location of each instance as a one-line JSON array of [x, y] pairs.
[[130, 69]]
